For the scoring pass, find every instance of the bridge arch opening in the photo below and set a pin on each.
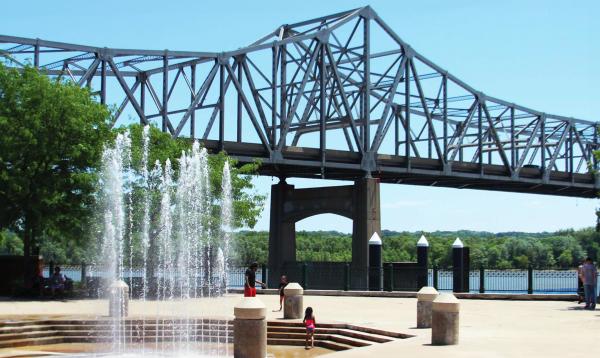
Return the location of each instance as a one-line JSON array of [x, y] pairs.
[[324, 238]]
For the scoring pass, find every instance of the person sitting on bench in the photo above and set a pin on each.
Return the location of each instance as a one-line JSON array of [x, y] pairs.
[[57, 282]]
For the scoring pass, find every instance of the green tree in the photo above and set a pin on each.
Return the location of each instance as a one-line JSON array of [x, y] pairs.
[[10, 244], [521, 261], [247, 202], [512, 250], [565, 259], [590, 242], [51, 138]]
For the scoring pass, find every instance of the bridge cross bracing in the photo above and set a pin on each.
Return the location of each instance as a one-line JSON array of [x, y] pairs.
[[338, 97]]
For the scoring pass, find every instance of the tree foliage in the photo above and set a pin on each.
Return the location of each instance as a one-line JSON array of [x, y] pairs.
[[10, 243], [52, 134], [563, 249], [248, 203], [51, 138]]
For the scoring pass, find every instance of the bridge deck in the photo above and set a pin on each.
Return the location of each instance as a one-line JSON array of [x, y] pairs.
[[342, 165]]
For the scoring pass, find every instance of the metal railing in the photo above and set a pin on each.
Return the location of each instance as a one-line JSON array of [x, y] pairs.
[[341, 276], [76, 272], [531, 281]]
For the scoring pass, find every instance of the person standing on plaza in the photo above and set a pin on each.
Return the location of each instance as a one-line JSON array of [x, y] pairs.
[[580, 291], [590, 278], [310, 322], [282, 283], [250, 281]]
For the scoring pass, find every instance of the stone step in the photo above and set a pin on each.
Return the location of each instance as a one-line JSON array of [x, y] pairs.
[[301, 342], [300, 324], [147, 339], [134, 333], [142, 327], [31, 342], [335, 336], [320, 337], [19, 329], [17, 353], [105, 336], [27, 334], [108, 321], [39, 341], [42, 331], [332, 345], [349, 327], [348, 341], [379, 332], [85, 324], [342, 332], [21, 323], [323, 334]]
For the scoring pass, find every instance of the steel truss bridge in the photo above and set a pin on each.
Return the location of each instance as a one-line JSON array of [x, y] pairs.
[[338, 97]]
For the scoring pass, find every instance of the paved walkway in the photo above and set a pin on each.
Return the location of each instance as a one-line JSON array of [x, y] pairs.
[[488, 328]]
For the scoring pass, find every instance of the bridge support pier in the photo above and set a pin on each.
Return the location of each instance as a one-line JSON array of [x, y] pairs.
[[282, 233], [367, 220], [359, 202]]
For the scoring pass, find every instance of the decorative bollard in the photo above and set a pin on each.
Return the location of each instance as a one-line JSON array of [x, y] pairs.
[[444, 320], [293, 304], [422, 261], [250, 329], [425, 298], [375, 263], [118, 305]]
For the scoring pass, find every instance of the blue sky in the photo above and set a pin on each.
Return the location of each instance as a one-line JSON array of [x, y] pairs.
[[541, 54]]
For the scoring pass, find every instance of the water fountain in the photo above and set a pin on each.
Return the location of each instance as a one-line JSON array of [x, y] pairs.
[[164, 221]]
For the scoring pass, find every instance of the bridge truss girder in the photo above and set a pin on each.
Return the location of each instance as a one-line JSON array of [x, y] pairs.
[[341, 96]]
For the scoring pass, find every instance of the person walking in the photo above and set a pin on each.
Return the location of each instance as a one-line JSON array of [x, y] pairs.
[[590, 278], [250, 281]]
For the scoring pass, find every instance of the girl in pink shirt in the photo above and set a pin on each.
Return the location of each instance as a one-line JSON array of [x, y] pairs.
[[310, 324]]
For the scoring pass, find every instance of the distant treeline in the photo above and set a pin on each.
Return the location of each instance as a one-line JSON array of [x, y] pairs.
[[563, 249]]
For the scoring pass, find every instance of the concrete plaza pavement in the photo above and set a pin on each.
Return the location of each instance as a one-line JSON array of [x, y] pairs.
[[488, 328]]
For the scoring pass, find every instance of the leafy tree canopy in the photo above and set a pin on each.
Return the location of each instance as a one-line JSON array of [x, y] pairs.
[[51, 138], [52, 134], [248, 203]]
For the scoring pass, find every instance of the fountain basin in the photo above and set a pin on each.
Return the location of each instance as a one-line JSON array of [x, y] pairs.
[[77, 350], [165, 337]]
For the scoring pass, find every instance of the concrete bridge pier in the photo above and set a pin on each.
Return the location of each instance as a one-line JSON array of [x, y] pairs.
[[359, 202], [282, 232]]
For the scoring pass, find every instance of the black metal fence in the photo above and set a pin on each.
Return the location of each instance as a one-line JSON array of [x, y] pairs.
[[410, 277], [538, 281], [343, 276], [326, 275], [393, 277]]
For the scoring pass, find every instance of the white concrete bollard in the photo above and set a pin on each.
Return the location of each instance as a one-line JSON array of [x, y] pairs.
[[444, 320], [425, 298], [250, 329], [118, 305], [293, 304]]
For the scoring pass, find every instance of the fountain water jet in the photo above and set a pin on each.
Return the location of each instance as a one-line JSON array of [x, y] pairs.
[[167, 218]]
